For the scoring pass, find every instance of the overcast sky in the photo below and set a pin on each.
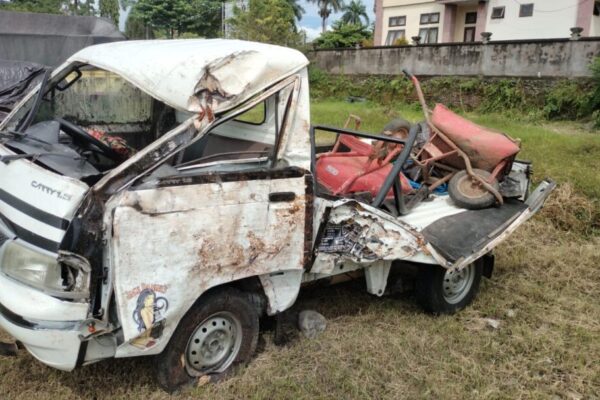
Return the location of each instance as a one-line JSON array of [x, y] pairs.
[[311, 22]]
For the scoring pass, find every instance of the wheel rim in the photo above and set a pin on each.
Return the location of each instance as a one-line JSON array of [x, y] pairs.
[[457, 284], [471, 188], [214, 345]]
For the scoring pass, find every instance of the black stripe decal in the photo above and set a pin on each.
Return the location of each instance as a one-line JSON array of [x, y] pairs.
[[15, 318], [33, 212], [31, 237], [18, 320]]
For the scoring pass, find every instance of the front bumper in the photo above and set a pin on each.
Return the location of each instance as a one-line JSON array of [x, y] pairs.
[[47, 327]]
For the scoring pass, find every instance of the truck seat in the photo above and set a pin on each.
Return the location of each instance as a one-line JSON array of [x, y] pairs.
[[337, 170]]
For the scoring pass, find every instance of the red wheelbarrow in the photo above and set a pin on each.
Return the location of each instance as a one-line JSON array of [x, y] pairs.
[[471, 157]]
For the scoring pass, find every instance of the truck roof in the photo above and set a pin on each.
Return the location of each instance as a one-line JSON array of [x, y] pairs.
[[190, 73]]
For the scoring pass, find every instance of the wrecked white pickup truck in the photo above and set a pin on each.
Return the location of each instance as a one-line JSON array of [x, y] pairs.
[[158, 197]]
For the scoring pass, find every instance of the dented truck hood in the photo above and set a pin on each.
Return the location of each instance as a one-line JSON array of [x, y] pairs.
[[192, 74]]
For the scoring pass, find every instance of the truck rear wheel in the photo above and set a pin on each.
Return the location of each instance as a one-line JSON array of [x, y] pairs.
[[444, 291], [219, 333]]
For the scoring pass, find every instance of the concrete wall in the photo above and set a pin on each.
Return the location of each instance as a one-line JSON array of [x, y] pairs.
[[542, 58]]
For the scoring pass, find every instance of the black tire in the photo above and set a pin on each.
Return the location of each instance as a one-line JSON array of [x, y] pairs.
[[397, 124], [432, 295], [476, 199], [173, 366]]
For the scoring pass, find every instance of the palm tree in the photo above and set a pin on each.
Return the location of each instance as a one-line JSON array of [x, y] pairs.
[[297, 8], [325, 9], [354, 12]]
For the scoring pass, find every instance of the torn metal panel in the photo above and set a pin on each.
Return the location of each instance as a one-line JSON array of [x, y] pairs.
[[281, 289], [295, 144], [362, 234]]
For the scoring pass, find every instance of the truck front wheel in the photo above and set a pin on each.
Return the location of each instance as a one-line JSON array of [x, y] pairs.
[[444, 291], [219, 333]]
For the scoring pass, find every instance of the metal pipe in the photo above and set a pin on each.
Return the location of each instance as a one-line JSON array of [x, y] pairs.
[[358, 133], [398, 164]]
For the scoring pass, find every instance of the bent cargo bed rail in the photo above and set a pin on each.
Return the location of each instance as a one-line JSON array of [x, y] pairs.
[[362, 234]]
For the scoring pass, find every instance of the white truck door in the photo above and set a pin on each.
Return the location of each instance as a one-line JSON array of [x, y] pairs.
[[225, 215]]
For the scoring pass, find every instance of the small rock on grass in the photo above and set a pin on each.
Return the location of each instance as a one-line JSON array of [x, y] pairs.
[[492, 323], [8, 349], [311, 323], [478, 324], [204, 380]]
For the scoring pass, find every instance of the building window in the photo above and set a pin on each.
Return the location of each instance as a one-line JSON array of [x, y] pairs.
[[393, 36], [397, 21], [526, 10], [597, 8], [431, 18], [497, 12], [471, 18], [428, 35], [469, 34]]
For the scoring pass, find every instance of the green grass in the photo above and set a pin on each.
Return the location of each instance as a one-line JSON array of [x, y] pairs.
[[545, 293]]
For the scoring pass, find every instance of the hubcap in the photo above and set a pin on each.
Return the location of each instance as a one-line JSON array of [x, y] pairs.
[[214, 344], [470, 187], [457, 285]]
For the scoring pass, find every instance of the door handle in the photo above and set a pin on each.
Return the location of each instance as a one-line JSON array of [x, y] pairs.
[[281, 196]]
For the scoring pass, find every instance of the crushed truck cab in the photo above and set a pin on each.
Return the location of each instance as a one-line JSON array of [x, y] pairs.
[[157, 197]]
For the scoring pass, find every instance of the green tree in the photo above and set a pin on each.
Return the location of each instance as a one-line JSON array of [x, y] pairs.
[[72, 7], [110, 9], [297, 8], [80, 7], [269, 21], [594, 102], [174, 17], [326, 7], [355, 12], [136, 28], [343, 35], [41, 6], [206, 21]]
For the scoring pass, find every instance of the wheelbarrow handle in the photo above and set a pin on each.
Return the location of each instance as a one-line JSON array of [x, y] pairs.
[[408, 74]]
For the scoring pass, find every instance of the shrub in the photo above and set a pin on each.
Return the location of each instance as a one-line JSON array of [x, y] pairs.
[[400, 42], [594, 102], [342, 36], [566, 100], [367, 43]]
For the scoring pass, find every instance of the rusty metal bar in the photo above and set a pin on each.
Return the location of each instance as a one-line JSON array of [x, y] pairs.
[[397, 168]]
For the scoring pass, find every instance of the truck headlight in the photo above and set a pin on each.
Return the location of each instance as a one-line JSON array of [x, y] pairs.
[[57, 277]]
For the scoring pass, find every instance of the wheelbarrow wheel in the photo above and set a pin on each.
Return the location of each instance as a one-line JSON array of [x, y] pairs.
[[468, 193], [396, 125]]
